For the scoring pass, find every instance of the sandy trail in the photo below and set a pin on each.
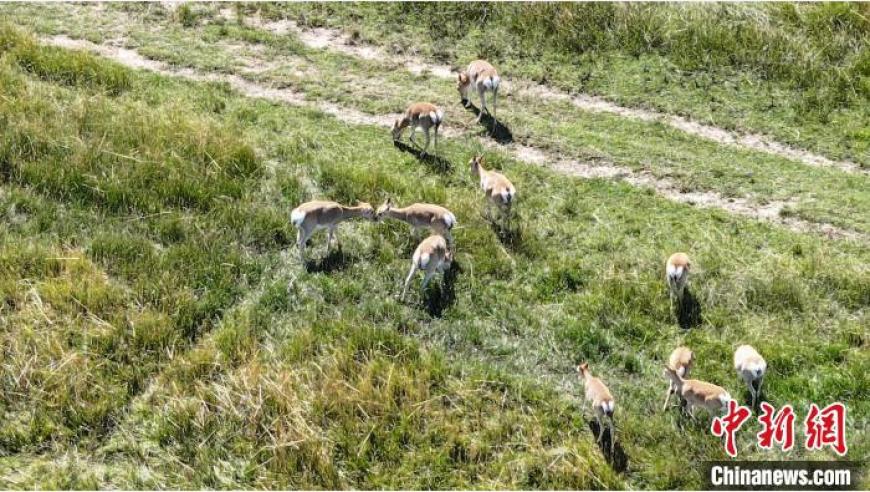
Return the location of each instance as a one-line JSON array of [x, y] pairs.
[[334, 39], [769, 212]]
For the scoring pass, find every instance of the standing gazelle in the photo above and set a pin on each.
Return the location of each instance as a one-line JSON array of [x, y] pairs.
[[699, 393], [677, 275], [482, 76], [680, 361], [602, 401], [431, 256], [751, 366], [421, 215], [422, 115], [311, 216], [498, 189]]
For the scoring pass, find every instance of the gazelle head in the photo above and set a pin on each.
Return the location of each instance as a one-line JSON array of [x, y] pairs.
[[368, 212], [383, 209], [672, 375], [448, 259], [475, 163], [398, 126], [582, 369], [462, 84]]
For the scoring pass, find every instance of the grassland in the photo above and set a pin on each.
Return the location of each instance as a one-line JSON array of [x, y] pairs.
[[815, 195], [159, 330], [797, 71]]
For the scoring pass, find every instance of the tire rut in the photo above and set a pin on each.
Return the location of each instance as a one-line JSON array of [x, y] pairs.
[[769, 212], [334, 39]]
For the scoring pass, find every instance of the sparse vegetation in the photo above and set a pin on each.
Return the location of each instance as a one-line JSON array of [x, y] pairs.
[[158, 330]]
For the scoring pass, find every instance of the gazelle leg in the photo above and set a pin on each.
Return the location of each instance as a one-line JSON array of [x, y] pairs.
[[426, 145], [408, 280], [600, 426], [411, 137], [427, 278], [482, 92], [330, 238], [301, 238], [668, 396], [752, 393], [612, 433], [436, 138], [494, 103]]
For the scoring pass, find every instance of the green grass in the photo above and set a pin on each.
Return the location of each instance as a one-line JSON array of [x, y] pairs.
[[203, 354], [798, 72], [695, 164]]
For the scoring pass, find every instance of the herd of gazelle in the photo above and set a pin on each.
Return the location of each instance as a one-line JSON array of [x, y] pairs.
[[748, 363], [435, 255]]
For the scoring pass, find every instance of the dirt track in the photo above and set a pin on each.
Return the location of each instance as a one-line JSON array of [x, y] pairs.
[[769, 212]]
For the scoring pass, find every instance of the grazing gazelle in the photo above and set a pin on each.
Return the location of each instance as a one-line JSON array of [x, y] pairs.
[[423, 115], [699, 394], [431, 256], [315, 215], [498, 189], [680, 361], [602, 401], [482, 76], [421, 215], [751, 366], [677, 275]]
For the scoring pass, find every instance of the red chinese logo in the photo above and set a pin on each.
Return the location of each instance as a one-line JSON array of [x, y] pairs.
[[826, 427], [729, 424], [778, 427]]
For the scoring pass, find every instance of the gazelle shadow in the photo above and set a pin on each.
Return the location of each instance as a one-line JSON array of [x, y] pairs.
[[335, 260], [437, 163], [494, 128], [689, 311], [507, 228], [614, 454], [444, 295]]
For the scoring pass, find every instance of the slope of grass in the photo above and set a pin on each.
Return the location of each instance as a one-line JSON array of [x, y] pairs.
[[696, 164], [258, 371], [796, 71]]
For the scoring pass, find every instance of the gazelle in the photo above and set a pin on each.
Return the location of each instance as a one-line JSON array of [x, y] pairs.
[[482, 76], [699, 394], [421, 215], [602, 401], [751, 366], [680, 361], [422, 115], [498, 189], [311, 216], [677, 275], [431, 256]]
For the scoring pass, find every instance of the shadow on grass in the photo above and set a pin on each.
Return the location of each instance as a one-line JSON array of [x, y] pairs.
[[437, 163], [444, 295], [335, 260], [747, 396], [494, 128], [615, 455], [689, 311], [507, 228]]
